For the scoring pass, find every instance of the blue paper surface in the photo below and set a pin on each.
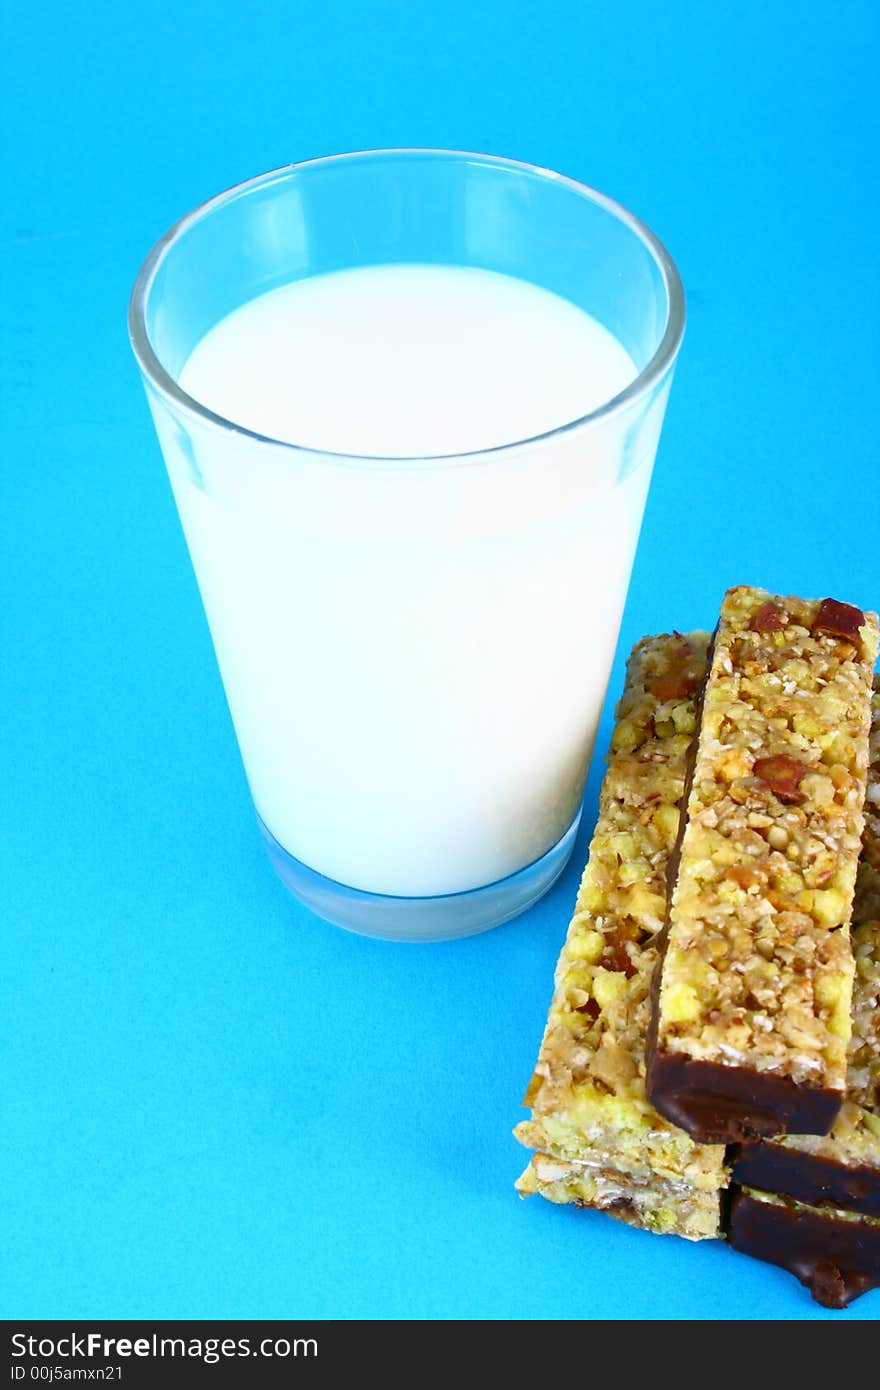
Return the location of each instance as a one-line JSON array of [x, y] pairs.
[[215, 1105]]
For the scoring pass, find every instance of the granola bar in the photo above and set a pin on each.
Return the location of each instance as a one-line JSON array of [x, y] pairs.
[[587, 1094], [653, 1204], [835, 1253], [843, 1168], [751, 1010]]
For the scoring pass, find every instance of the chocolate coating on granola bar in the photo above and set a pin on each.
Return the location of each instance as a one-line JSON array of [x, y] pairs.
[[808, 1177], [717, 1104], [837, 1258]]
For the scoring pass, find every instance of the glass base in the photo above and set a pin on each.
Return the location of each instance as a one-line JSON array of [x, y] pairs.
[[421, 919]]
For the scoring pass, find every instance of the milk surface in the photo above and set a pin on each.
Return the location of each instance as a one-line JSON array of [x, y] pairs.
[[404, 360], [415, 655]]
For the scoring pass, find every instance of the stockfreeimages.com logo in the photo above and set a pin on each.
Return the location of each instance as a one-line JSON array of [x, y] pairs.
[[95, 1346]]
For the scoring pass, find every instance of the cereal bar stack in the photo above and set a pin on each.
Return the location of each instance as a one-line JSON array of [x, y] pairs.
[[705, 1020]]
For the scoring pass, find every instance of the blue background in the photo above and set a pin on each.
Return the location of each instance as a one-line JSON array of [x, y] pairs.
[[214, 1104]]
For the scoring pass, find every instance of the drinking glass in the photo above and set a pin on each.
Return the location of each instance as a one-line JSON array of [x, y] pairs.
[[415, 651]]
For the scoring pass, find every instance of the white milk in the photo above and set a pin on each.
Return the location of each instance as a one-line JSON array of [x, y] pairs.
[[399, 361], [415, 656]]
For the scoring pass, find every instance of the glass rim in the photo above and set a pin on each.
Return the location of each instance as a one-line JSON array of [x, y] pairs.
[[642, 384]]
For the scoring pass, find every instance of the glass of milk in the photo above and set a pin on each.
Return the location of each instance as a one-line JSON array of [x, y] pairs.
[[409, 402]]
